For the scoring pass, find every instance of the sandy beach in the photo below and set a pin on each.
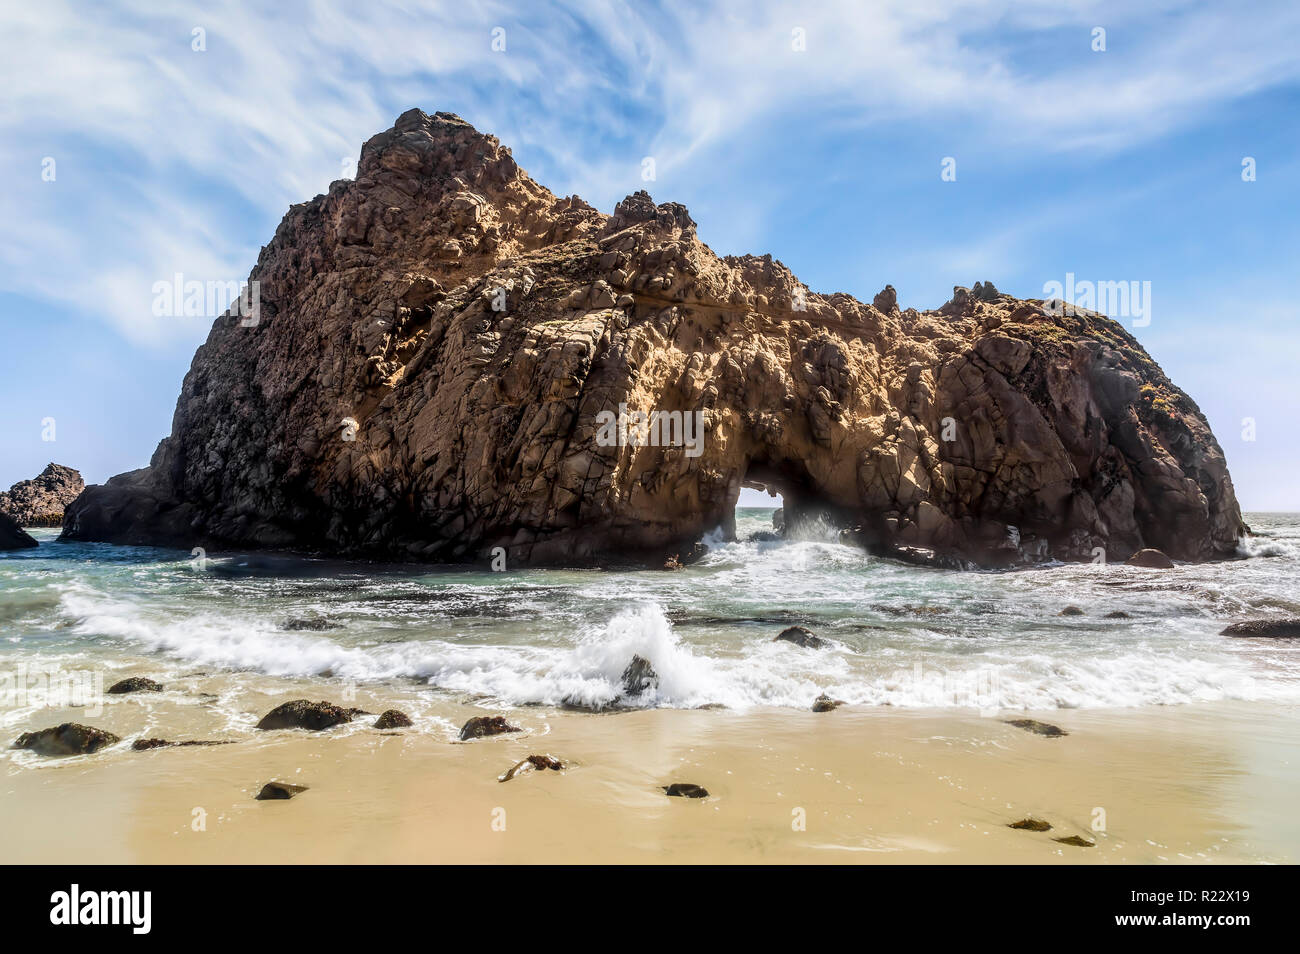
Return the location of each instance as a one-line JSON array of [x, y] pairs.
[[1187, 784]]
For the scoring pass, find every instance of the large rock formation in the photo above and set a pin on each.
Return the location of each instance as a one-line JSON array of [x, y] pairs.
[[443, 343], [41, 502]]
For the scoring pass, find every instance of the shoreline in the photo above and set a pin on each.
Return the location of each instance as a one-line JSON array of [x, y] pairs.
[[1187, 784]]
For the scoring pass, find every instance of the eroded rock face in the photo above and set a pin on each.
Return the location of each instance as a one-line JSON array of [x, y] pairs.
[[442, 344], [40, 502]]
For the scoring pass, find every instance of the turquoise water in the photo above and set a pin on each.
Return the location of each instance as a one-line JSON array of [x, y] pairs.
[[900, 635]]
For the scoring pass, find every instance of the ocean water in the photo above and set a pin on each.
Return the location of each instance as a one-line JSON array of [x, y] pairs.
[[900, 635]]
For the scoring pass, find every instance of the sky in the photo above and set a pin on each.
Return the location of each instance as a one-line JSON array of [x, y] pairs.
[[918, 143]]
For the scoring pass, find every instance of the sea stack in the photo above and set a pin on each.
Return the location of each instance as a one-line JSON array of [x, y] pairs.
[[448, 358], [40, 502]]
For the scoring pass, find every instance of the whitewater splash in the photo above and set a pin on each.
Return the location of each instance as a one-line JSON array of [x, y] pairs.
[[897, 635]]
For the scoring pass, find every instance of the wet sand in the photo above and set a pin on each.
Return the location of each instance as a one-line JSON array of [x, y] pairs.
[[1189, 784]]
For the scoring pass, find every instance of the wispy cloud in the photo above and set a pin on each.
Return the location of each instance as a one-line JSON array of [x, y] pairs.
[[171, 159]]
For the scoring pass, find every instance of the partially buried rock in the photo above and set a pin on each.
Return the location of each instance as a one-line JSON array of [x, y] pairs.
[[392, 719], [686, 790], [639, 676], [482, 726], [313, 624], [1117, 614], [1076, 841], [1031, 824], [1071, 611], [1274, 628], [1152, 559], [273, 791], [135, 684], [825, 703], [69, 738], [1038, 728], [144, 745], [533, 762], [304, 714], [800, 637]]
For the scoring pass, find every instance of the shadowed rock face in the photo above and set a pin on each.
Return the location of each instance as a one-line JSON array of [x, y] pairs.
[[438, 340]]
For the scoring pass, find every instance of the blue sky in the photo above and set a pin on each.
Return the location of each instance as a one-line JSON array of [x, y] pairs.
[[1115, 165]]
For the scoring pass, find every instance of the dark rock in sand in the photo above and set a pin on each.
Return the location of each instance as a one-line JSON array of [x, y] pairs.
[[532, 763], [69, 738], [1274, 628], [1118, 614], [825, 703], [144, 745], [482, 726], [801, 636], [1031, 824], [639, 676], [1076, 841], [304, 714], [14, 537], [135, 684], [1038, 728], [1153, 559], [686, 790], [392, 719], [1071, 611], [273, 791]]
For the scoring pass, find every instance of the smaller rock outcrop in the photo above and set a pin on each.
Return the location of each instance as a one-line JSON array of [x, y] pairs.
[[68, 738], [393, 719], [14, 537], [304, 714], [275, 791], [1076, 841], [134, 684], [40, 502], [1272, 628], [482, 726], [144, 745]]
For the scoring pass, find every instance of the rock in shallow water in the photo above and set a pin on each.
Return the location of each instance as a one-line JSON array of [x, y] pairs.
[[825, 703], [1031, 824], [483, 726], [40, 502], [392, 719], [800, 636], [1076, 841], [304, 714], [135, 684], [68, 738], [1274, 628], [1038, 728], [639, 676], [1152, 559], [686, 790], [14, 537], [144, 745], [532, 763]]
